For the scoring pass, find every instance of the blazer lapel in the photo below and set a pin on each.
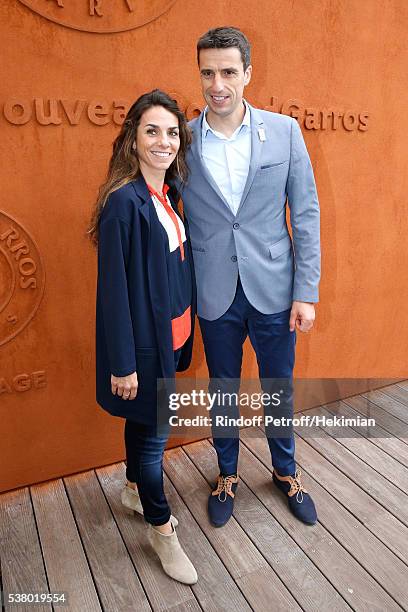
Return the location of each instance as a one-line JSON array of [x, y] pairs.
[[139, 185], [256, 149], [197, 151]]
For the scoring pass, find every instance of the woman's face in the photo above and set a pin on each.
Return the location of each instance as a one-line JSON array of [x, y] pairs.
[[157, 139]]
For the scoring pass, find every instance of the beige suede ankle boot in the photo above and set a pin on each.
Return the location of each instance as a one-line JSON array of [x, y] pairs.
[[174, 560], [130, 499]]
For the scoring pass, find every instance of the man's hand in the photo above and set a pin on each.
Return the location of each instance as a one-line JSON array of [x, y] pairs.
[[302, 316], [125, 386]]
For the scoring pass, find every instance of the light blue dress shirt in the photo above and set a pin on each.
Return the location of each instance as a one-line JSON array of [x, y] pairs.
[[228, 159]]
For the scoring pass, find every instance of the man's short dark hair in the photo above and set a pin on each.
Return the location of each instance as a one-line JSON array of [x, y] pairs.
[[224, 38]]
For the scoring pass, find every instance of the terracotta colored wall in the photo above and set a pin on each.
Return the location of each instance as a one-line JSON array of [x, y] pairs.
[[345, 56]]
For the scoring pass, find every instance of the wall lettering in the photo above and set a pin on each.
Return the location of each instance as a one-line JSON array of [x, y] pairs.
[[95, 7], [22, 275], [52, 111], [17, 111], [98, 111], [100, 16], [73, 110], [120, 109], [46, 112], [320, 119], [23, 382]]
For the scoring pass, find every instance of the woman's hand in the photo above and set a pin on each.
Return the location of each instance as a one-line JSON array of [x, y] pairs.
[[125, 386]]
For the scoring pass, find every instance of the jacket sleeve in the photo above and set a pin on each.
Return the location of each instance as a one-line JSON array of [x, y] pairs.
[[113, 256], [304, 218]]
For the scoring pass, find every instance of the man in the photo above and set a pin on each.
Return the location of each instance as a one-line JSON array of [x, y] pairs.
[[245, 165]]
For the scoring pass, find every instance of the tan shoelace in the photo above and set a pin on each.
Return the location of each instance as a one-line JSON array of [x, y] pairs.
[[224, 487], [296, 486]]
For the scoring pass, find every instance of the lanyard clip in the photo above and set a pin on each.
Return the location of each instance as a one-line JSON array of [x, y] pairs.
[[261, 134]]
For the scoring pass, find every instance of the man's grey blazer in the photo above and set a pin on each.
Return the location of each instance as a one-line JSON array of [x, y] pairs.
[[255, 243]]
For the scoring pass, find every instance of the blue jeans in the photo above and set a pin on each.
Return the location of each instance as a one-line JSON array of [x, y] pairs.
[[274, 346], [144, 466]]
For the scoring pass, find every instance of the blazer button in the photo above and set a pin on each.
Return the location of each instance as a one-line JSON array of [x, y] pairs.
[[235, 226], [234, 258]]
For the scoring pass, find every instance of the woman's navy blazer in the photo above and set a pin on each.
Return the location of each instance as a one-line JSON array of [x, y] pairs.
[[133, 313]]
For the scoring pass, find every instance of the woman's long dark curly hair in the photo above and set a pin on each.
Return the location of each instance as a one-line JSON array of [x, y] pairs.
[[124, 165]]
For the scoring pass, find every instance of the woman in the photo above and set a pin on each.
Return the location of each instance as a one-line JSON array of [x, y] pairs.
[[145, 304]]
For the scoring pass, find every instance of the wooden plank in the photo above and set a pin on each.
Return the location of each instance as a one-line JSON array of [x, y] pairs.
[[306, 583], [377, 435], [65, 560], [256, 579], [403, 384], [238, 553], [384, 492], [365, 508], [362, 448], [21, 562], [160, 588], [388, 400], [257, 588], [387, 569], [118, 585], [352, 581], [400, 394], [394, 426], [215, 589]]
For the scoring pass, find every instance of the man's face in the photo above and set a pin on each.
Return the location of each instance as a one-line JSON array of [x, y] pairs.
[[223, 79]]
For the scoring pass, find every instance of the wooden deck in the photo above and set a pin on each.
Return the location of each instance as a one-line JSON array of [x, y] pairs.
[[73, 535]]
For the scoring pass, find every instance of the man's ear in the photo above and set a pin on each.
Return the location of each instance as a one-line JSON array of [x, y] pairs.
[[247, 75]]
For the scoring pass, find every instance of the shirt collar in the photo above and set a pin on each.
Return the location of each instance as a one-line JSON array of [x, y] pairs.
[[161, 197], [245, 122]]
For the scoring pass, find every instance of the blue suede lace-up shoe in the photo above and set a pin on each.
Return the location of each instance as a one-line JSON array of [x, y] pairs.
[[221, 500], [299, 501]]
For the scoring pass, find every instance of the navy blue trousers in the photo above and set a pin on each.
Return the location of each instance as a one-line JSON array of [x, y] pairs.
[[144, 465], [274, 346]]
